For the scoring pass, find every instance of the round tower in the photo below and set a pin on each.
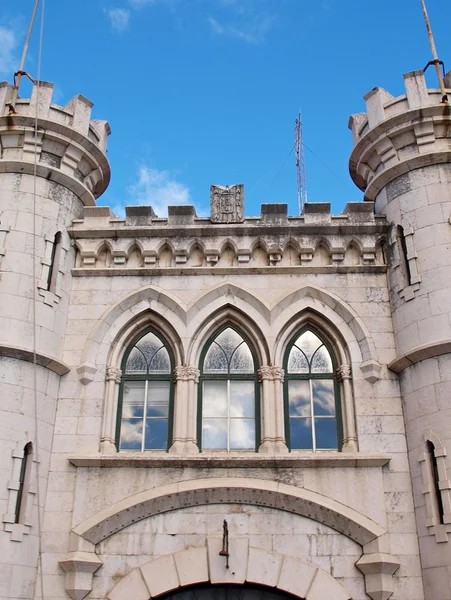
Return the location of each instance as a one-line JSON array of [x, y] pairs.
[[402, 161], [52, 164]]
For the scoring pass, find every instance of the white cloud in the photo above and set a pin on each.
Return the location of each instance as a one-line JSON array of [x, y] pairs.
[[8, 45], [158, 189], [119, 18], [252, 30]]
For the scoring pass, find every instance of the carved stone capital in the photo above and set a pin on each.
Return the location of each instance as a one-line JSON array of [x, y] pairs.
[[279, 374], [186, 374], [271, 373], [344, 372], [113, 374]]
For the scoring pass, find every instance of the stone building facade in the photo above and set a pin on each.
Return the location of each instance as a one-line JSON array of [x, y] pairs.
[[229, 406]]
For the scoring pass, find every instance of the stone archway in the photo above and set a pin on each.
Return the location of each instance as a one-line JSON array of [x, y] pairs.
[[252, 566], [227, 592]]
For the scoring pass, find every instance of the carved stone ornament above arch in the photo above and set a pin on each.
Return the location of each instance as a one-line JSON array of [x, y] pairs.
[[192, 567]]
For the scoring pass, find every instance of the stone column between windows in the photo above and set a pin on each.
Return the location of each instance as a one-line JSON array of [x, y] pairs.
[[108, 439], [272, 435], [344, 376], [184, 439]]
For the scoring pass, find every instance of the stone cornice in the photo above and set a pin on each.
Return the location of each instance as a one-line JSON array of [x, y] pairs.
[[48, 362], [257, 270], [419, 353], [292, 460]]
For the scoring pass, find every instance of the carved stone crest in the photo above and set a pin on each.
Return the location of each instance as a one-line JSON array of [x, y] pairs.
[[227, 203]]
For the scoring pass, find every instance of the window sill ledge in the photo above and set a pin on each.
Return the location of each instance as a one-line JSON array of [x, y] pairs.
[[294, 460]]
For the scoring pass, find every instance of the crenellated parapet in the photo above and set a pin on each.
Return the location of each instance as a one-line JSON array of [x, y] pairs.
[[142, 241], [70, 148], [398, 135]]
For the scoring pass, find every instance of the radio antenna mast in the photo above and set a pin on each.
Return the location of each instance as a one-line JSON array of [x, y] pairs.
[[300, 163], [436, 62]]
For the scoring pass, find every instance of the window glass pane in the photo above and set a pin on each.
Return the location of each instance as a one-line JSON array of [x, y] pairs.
[[131, 434], [308, 342], [229, 340], [214, 434], [299, 398], [242, 434], [214, 399], [156, 434], [158, 399], [215, 360], [297, 363], [160, 363], [322, 362], [133, 399], [326, 434], [136, 363], [323, 397], [301, 434], [149, 345], [242, 361], [242, 399]]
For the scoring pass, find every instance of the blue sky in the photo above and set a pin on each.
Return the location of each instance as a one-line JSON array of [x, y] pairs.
[[207, 91]]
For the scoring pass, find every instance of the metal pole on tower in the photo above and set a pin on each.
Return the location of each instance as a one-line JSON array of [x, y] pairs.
[[436, 62], [300, 163]]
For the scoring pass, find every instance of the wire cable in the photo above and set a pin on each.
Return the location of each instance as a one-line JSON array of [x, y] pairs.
[[35, 283], [327, 167]]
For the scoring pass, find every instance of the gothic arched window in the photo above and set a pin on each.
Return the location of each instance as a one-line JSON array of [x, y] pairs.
[[228, 394], [311, 395], [145, 398]]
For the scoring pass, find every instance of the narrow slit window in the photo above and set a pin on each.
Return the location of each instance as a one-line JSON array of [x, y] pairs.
[[402, 246], [436, 478], [54, 262], [23, 483]]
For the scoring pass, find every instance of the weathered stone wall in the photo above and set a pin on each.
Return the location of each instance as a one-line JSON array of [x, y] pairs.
[[402, 161], [105, 307]]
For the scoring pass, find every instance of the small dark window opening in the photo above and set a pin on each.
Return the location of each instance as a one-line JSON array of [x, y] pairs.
[[435, 475], [403, 253], [54, 262], [23, 481]]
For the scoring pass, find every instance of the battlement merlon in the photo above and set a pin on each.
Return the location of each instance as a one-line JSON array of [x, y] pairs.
[[396, 135], [69, 144], [141, 221]]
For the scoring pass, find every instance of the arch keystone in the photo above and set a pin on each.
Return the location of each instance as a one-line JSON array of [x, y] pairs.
[[192, 566]]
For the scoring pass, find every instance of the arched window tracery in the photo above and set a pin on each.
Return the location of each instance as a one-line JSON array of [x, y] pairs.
[[228, 394], [146, 395], [312, 407]]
